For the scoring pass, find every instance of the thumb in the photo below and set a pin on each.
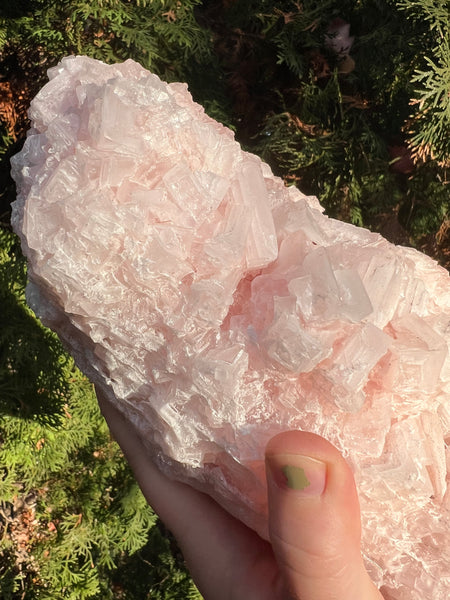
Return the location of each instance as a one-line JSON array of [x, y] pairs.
[[314, 519]]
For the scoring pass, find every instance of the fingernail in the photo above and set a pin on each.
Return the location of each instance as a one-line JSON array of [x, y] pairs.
[[303, 474]]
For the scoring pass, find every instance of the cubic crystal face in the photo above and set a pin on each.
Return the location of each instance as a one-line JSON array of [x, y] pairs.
[[216, 307]]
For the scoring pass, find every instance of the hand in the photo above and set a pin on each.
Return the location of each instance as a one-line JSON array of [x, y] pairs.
[[314, 524]]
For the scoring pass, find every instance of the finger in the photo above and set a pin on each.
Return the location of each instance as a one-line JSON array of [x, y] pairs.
[[315, 519]]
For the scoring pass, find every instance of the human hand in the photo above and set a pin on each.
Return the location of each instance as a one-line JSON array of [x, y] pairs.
[[314, 524]]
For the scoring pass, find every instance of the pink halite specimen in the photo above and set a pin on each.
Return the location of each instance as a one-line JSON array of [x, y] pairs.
[[216, 307]]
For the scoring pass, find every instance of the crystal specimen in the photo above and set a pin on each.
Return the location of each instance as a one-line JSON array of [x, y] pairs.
[[216, 307]]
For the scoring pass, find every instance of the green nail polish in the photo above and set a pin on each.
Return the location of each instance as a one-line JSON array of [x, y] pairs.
[[304, 475], [295, 477]]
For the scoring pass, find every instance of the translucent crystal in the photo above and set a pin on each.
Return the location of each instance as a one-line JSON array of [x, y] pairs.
[[216, 307]]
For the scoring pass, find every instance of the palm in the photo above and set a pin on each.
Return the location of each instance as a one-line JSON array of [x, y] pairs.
[[227, 559]]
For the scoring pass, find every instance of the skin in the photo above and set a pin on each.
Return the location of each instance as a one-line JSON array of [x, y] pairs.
[[314, 552]]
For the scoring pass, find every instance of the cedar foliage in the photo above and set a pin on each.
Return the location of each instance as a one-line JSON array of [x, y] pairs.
[[364, 126]]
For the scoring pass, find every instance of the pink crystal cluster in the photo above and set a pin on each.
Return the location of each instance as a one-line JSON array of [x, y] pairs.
[[216, 307]]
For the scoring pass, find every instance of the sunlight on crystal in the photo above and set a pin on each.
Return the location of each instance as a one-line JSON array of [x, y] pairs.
[[216, 307]]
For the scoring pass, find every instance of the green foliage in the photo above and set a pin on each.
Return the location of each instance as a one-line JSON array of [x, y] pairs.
[[165, 580], [89, 520], [426, 206], [162, 35], [25, 346], [430, 134]]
